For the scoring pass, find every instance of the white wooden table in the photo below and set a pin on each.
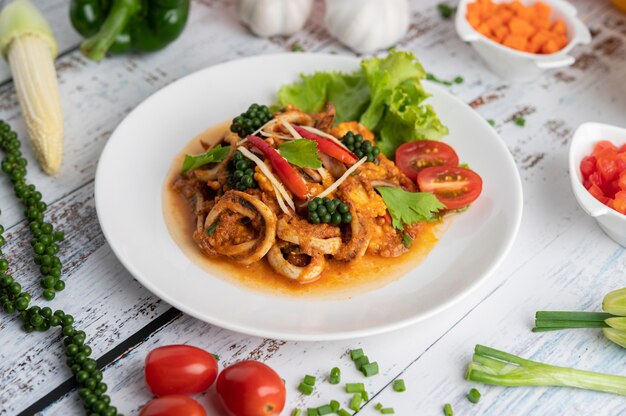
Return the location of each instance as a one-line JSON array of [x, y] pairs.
[[561, 259]]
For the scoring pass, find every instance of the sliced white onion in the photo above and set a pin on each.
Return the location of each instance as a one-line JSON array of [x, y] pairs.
[[271, 122], [338, 182], [290, 128], [280, 136], [281, 202], [275, 182]]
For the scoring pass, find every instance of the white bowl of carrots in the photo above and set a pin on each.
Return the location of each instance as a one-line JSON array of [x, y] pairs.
[[519, 39]]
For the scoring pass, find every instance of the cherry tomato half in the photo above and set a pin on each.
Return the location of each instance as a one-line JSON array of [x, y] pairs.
[[414, 156], [179, 369], [174, 405], [251, 388], [455, 187]]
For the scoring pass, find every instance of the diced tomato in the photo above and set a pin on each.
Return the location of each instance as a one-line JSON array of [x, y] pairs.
[[587, 166], [622, 149], [595, 179], [619, 203], [598, 194], [603, 145], [622, 180], [607, 168]]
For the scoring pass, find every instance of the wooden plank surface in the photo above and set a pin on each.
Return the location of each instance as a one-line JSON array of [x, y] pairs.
[[561, 260]]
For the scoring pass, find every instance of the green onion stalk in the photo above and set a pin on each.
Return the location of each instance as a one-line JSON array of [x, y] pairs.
[[492, 366], [612, 321]]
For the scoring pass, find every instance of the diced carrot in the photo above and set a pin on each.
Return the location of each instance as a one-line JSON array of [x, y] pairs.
[[533, 47], [561, 41], [500, 33], [559, 27], [493, 22], [542, 23], [541, 37], [542, 10], [473, 20], [515, 42], [485, 30], [473, 9], [506, 15], [521, 27], [550, 47], [516, 6]]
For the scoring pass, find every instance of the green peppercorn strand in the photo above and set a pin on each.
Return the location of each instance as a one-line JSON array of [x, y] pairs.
[[360, 147], [328, 211], [14, 300], [241, 173], [45, 239], [250, 121]]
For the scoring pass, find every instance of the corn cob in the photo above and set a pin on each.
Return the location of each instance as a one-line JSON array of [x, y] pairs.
[[28, 45]]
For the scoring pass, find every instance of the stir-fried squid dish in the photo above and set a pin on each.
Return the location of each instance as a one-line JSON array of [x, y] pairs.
[[299, 191]]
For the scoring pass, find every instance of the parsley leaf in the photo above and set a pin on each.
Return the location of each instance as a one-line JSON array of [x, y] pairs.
[[301, 152], [217, 154], [409, 207]]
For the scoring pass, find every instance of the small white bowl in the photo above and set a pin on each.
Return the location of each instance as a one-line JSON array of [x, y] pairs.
[[587, 135], [511, 64]]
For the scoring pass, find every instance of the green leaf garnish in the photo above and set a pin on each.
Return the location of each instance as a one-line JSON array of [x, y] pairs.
[[302, 153], [407, 240], [217, 154], [409, 207]]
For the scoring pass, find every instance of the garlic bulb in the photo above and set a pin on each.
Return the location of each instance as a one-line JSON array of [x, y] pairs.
[[274, 17], [367, 25]]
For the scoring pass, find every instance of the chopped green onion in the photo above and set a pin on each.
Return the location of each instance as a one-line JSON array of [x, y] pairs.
[[334, 404], [311, 411], [458, 79], [492, 122], [354, 354], [305, 389], [370, 369], [447, 410], [355, 387], [217, 357], [473, 396], [342, 412], [309, 380], [335, 376], [361, 361], [445, 11], [365, 396], [398, 385], [520, 121], [387, 411], [325, 410], [378, 406], [211, 230], [355, 403], [296, 412]]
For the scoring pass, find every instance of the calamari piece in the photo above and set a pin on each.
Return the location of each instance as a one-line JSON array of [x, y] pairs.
[[248, 229], [312, 239], [302, 273]]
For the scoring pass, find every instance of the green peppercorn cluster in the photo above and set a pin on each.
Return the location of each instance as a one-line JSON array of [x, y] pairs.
[[252, 120], [35, 318], [45, 239], [360, 147], [328, 211], [241, 175]]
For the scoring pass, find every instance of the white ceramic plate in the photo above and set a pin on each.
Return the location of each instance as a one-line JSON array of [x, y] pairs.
[[135, 162]]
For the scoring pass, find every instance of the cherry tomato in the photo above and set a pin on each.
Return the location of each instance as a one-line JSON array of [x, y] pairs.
[[180, 369], [414, 156], [174, 405], [251, 388], [455, 187]]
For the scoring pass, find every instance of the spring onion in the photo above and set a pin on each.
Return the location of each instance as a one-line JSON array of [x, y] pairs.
[[309, 380], [378, 406], [335, 376], [520, 121], [492, 366], [355, 387], [358, 353], [365, 396], [296, 412], [305, 389], [399, 386], [447, 410], [370, 369], [473, 396], [387, 411], [342, 412], [612, 320], [334, 405], [355, 403], [324, 410], [311, 411], [361, 361]]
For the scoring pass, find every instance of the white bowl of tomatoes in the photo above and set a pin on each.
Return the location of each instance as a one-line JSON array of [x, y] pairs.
[[597, 165]]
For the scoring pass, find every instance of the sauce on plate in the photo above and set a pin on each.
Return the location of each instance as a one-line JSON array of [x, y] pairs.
[[339, 279]]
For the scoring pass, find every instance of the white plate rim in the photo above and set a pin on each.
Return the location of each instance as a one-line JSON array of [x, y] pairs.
[[294, 336]]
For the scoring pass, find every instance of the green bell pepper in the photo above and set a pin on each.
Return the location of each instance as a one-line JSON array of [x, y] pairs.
[[120, 26]]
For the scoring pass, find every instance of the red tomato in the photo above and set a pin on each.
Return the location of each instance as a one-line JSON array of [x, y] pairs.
[[619, 203], [414, 156], [622, 180], [608, 169], [251, 388], [587, 166], [174, 405], [598, 194], [179, 369], [455, 187]]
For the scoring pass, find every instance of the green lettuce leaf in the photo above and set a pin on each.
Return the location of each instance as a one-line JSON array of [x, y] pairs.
[[386, 95]]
